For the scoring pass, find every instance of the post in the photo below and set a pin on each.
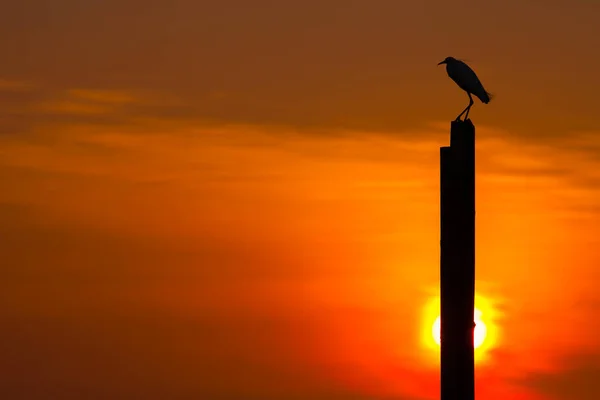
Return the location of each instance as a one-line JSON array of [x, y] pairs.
[[457, 262]]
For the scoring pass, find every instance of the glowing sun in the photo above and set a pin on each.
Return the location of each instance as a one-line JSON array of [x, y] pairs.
[[478, 336]]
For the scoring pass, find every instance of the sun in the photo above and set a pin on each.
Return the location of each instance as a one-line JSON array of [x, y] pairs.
[[478, 336], [485, 337]]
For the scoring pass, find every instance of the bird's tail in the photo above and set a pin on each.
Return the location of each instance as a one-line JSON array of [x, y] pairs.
[[489, 97], [484, 96]]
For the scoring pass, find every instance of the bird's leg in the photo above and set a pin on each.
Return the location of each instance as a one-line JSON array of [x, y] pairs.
[[461, 114], [466, 110], [470, 105]]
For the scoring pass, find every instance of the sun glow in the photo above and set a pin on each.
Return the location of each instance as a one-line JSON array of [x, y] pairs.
[[485, 335]]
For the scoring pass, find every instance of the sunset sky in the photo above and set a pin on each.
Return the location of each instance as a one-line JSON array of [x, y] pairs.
[[239, 199]]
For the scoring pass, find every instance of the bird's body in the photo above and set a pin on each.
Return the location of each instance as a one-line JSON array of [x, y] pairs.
[[467, 80]]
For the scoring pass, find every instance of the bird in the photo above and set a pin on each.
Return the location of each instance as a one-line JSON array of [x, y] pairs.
[[468, 81]]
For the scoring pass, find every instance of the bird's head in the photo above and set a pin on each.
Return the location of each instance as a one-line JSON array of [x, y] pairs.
[[447, 60]]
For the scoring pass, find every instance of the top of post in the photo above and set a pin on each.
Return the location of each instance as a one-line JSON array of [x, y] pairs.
[[462, 133], [460, 124]]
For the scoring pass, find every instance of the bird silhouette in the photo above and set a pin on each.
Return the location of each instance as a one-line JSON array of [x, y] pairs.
[[468, 81]]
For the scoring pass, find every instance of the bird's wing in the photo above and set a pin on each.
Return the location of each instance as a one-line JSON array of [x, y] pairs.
[[467, 80], [464, 76]]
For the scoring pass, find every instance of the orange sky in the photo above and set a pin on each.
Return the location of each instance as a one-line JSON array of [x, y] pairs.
[[239, 200]]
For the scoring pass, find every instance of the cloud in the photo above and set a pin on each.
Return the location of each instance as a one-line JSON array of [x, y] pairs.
[[70, 107], [86, 102], [104, 96], [29, 109], [8, 85]]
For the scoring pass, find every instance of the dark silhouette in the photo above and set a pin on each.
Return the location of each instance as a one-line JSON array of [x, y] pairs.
[[467, 80], [457, 262]]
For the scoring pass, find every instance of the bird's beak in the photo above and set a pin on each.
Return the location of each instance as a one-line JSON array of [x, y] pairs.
[[442, 62]]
